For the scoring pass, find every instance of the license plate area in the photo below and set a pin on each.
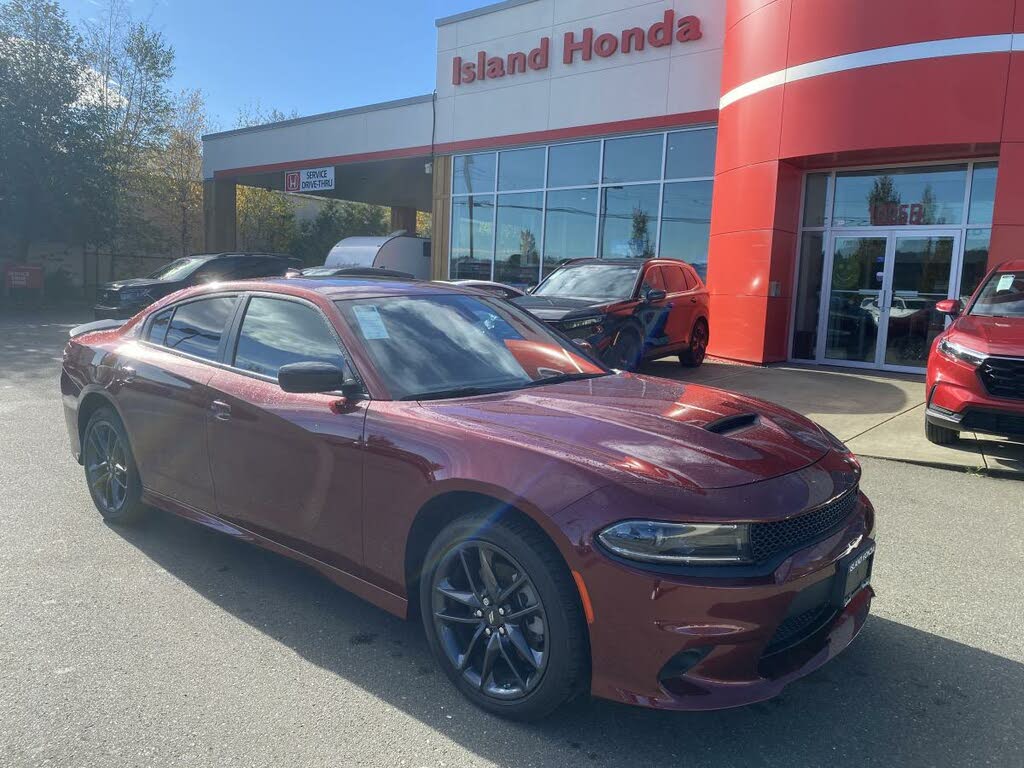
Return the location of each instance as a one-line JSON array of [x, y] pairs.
[[853, 574]]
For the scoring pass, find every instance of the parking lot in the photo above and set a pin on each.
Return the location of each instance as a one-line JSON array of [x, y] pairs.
[[168, 644]]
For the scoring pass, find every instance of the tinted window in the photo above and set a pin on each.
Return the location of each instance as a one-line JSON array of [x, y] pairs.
[[197, 327], [630, 226], [653, 280], [277, 332], [983, 194], [691, 153], [257, 268], [218, 269], [574, 165], [637, 158], [445, 345], [473, 173], [675, 282], [521, 169], [900, 196], [571, 226], [158, 328]]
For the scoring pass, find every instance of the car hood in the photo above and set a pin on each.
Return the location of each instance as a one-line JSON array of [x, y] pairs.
[[629, 426], [134, 282], [1002, 336], [552, 308]]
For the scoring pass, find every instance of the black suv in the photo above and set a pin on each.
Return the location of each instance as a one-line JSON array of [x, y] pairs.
[[124, 298]]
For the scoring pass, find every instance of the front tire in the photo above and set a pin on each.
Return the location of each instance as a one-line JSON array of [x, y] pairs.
[[627, 351], [503, 618], [110, 469], [940, 435]]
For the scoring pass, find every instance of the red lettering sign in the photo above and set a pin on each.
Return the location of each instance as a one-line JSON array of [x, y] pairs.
[[579, 47]]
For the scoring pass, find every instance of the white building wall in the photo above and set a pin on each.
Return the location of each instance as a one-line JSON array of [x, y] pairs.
[[680, 78]]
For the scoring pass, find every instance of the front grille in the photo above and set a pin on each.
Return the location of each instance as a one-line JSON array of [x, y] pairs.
[[108, 298], [770, 539], [1003, 377], [796, 628], [994, 421]]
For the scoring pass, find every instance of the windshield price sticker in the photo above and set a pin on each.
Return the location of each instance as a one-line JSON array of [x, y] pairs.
[[370, 322]]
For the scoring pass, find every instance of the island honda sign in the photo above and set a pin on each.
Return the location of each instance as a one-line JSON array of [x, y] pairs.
[[669, 30], [309, 180]]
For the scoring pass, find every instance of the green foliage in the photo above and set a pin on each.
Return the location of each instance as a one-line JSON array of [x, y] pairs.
[[337, 220]]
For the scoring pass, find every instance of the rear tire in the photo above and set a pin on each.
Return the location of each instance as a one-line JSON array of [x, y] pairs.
[[110, 470], [538, 644], [940, 435], [694, 355]]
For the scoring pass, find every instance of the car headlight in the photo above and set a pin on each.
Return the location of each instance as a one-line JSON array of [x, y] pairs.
[[959, 352], [134, 294], [584, 322], [679, 543]]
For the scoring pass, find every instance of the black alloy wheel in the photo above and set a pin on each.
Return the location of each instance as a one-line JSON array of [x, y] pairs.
[[110, 468], [490, 620], [503, 617], [693, 356]]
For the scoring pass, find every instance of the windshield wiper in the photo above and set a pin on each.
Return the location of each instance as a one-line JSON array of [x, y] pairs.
[[444, 394], [562, 377]]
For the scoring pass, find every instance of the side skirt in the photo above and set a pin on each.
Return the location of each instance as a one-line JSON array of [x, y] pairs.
[[382, 598]]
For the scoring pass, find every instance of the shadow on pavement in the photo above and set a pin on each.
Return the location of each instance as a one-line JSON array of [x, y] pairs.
[[897, 696]]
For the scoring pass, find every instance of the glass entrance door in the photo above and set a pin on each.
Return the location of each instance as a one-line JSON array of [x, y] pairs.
[[882, 289], [920, 275]]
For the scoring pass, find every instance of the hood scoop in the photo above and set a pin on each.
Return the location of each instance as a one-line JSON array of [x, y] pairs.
[[734, 423]]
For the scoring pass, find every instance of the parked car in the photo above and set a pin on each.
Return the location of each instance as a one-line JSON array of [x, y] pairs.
[[490, 286], [374, 272], [975, 376], [627, 309], [557, 527], [122, 299]]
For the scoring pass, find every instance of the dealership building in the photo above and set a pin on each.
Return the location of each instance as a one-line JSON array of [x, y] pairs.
[[833, 167]]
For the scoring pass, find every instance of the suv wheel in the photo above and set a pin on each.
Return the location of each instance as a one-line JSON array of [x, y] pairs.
[[940, 435], [110, 469]]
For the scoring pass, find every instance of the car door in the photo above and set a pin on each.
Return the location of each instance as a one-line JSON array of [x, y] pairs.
[[653, 315], [684, 305], [287, 466], [164, 397]]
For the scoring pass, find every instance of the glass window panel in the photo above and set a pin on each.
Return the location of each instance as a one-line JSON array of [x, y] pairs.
[[197, 327], [814, 199], [521, 169], [983, 193], [675, 280], [808, 295], [975, 264], [276, 332], [571, 226], [472, 237], [473, 173], [691, 153], [158, 328], [637, 158], [900, 196], [517, 252], [629, 221], [686, 223], [574, 165]]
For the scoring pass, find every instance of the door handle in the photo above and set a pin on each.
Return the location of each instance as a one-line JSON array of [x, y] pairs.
[[126, 374], [221, 410]]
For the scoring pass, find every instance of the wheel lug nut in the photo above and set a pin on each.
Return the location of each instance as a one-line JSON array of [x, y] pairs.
[[487, 631], [501, 611], [478, 614], [501, 630]]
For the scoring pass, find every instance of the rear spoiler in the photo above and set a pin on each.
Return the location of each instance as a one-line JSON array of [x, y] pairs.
[[99, 325]]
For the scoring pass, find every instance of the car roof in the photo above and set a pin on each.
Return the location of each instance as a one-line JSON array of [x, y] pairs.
[[355, 287], [1013, 265]]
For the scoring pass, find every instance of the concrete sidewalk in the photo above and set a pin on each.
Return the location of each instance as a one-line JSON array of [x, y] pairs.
[[877, 414]]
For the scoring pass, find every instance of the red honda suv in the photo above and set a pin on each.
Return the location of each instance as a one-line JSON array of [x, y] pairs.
[[976, 367]]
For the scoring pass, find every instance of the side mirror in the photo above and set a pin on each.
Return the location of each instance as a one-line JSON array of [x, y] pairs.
[[654, 295], [306, 378], [951, 307]]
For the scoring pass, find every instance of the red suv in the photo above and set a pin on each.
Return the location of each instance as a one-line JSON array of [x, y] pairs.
[[976, 367]]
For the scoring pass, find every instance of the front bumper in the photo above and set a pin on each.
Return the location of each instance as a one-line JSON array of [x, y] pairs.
[[725, 631], [957, 400]]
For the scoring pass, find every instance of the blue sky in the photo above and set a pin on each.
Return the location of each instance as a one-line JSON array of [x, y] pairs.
[[308, 55]]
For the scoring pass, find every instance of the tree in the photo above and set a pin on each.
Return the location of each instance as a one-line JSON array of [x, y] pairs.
[[265, 220], [46, 131], [175, 175], [337, 220]]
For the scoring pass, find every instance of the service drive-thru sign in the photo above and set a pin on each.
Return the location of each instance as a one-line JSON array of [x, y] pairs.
[[309, 180]]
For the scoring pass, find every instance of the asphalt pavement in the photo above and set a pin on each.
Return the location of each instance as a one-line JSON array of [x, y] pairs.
[[170, 645]]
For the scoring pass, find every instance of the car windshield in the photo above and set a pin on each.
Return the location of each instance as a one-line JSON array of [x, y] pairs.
[[178, 268], [604, 282], [1002, 296], [453, 345]]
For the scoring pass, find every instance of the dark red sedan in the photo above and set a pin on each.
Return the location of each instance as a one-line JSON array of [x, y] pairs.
[[976, 367], [557, 526]]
